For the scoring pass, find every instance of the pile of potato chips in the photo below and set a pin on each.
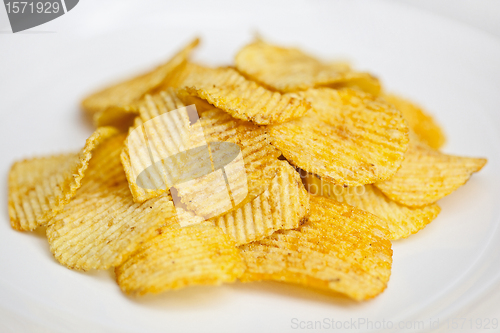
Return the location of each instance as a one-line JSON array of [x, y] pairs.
[[335, 169]]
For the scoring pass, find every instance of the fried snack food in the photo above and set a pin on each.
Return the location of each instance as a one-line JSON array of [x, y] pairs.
[[179, 257], [121, 117], [427, 175], [401, 221], [290, 69], [260, 162], [169, 136], [102, 225], [194, 177], [425, 128], [40, 187], [229, 91], [351, 138], [341, 249], [127, 92], [284, 205]]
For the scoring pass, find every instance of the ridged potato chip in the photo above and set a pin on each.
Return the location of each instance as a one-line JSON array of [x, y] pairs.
[[127, 92], [290, 69], [229, 91], [260, 163], [402, 221], [341, 249], [351, 138], [121, 117], [166, 135], [181, 257], [284, 205], [40, 187], [102, 225], [428, 175], [422, 124]]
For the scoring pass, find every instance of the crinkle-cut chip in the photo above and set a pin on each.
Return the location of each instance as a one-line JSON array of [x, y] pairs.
[[127, 92], [117, 116], [402, 221], [181, 257], [102, 225], [351, 138], [178, 78], [229, 91], [422, 124], [165, 135], [284, 205], [341, 249], [159, 148], [40, 187], [290, 69], [260, 164], [428, 175]]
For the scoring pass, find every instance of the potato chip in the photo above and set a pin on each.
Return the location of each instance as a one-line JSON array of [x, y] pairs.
[[102, 225], [188, 71], [284, 205], [341, 249], [260, 164], [181, 257], [428, 175], [422, 124], [229, 91], [40, 187], [154, 156], [290, 69], [402, 221], [121, 117], [127, 92], [351, 138], [167, 135]]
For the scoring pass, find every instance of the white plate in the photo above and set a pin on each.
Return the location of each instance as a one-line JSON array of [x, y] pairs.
[[446, 270]]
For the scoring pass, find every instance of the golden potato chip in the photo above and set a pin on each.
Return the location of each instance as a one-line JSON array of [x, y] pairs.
[[121, 117], [284, 205], [188, 71], [229, 91], [290, 69], [199, 159], [260, 164], [181, 257], [428, 175], [402, 221], [127, 92], [341, 249], [422, 124], [40, 187], [351, 138], [102, 225], [163, 136]]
